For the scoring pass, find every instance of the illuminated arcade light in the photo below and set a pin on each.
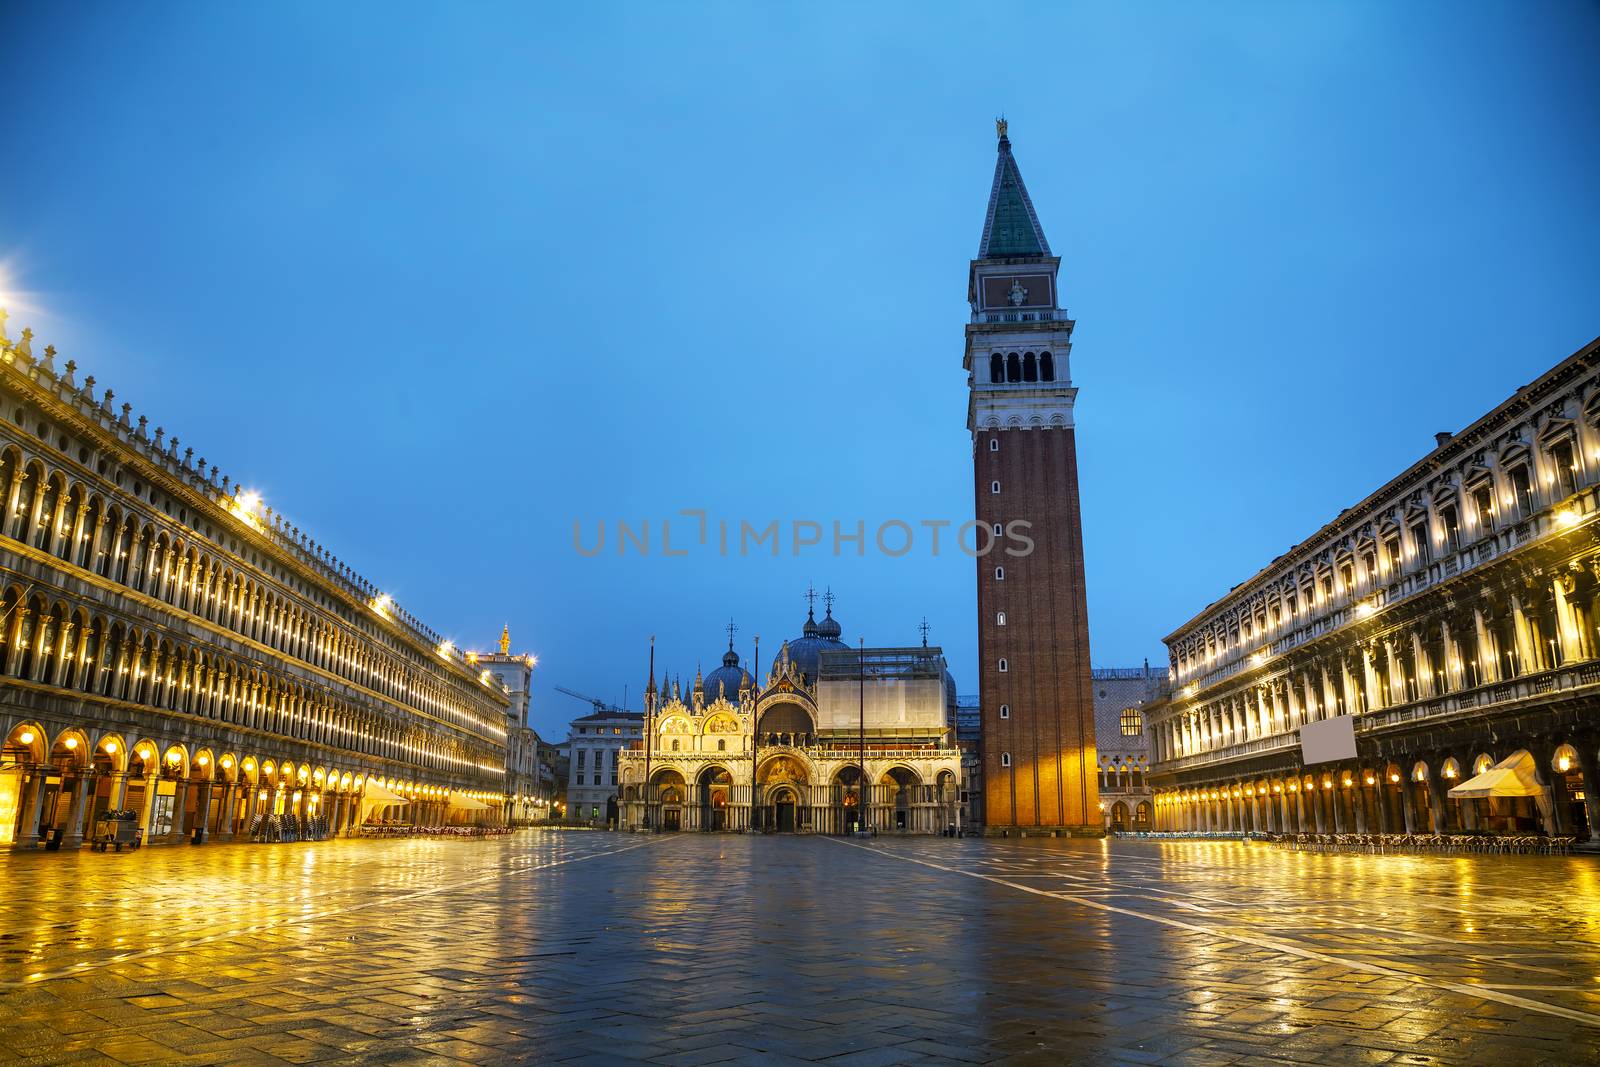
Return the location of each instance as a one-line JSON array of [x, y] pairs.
[[110, 747], [26, 737], [1566, 518]]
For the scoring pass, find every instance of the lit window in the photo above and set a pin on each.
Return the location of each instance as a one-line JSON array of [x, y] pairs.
[[1132, 722]]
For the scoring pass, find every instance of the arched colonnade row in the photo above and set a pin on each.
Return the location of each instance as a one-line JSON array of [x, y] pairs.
[[87, 650], [55, 511], [1403, 796], [65, 779]]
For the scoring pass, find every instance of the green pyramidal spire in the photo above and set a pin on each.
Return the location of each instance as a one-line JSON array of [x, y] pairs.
[[1011, 228]]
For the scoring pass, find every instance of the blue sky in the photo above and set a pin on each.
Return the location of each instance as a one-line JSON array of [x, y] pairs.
[[440, 280]]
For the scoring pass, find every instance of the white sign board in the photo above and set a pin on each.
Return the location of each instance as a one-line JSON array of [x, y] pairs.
[[1328, 740]]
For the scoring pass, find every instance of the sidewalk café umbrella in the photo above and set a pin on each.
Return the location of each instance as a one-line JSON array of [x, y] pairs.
[[466, 803], [1511, 777], [376, 796]]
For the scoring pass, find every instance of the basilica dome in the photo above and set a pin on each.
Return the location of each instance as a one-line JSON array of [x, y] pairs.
[[816, 637], [730, 675], [829, 627]]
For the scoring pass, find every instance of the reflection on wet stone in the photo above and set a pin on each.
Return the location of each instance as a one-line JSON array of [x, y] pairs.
[[553, 946]]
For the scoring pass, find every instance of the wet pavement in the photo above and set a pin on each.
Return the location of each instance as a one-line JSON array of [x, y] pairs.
[[567, 946]]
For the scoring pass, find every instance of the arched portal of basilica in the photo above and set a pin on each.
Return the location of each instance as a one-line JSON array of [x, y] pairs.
[[789, 754]]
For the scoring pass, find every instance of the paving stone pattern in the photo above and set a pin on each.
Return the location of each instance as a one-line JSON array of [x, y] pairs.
[[565, 946]]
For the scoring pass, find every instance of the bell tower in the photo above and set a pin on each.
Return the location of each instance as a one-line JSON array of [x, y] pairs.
[[1037, 703]]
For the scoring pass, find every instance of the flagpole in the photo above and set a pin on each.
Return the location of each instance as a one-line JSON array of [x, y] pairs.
[[861, 768], [755, 732], [649, 728]]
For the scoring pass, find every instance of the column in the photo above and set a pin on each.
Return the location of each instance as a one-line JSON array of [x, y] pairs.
[[1427, 684], [1454, 655], [1490, 668], [202, 806], [229, 800], [1591, 784], [1468, 808], [1551, 803], [1527, 660], [1436, 797], [152, 778], [1408, 804], [180, 798], [29, 835], [73, 837]]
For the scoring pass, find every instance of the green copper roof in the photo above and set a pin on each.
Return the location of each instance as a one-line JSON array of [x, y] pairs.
[[1010, 228]]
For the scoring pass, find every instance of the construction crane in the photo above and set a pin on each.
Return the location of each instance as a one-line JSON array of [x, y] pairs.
[[599, 705]]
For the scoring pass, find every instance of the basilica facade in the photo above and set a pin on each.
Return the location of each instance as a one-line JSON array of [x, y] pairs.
[[788, 752]]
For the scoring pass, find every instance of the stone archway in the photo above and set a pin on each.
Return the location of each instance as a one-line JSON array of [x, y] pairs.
[[847, 799], [713, 789], [785, 805], [900, 787], [667, 795], [788, 776]]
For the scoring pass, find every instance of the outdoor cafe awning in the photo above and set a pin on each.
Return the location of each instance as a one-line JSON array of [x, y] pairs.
[[466, 803], [377, 794], [1511, 777]]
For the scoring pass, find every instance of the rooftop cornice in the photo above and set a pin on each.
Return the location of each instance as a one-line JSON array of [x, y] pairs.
[[182, 476]]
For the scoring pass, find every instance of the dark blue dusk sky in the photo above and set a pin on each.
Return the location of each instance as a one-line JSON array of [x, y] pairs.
[[439, 280]]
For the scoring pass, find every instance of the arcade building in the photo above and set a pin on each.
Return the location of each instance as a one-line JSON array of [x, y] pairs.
[[789, 752], [172, 647], [1446, 627]]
